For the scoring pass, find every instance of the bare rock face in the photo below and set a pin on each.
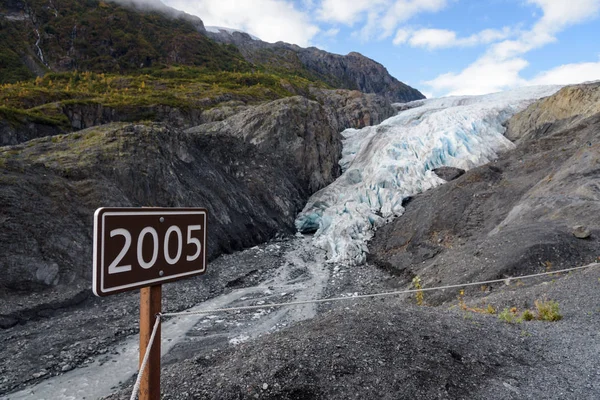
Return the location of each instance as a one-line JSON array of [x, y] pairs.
[[50, 188], [304, 134], [355, 71], [513, 216], [569, 105], [11, 134]]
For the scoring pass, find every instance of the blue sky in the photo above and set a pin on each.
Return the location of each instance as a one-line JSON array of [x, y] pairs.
[[441, 47]]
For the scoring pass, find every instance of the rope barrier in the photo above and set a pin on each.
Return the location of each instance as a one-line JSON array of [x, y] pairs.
[[373, 295], [136, 387]]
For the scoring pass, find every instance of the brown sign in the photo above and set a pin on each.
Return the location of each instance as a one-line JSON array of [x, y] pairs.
[[138, 247]]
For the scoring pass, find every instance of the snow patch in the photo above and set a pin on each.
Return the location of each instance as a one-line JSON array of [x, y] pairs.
[[384, 164]]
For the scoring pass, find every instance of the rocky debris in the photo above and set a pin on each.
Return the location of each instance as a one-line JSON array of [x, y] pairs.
[[511, 217], [449, 173], [352, 71], [581, 232], [407, 106], [304, 134], [390, 349]]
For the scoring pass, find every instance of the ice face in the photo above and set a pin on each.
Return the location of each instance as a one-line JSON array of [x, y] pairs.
[[384, 164]]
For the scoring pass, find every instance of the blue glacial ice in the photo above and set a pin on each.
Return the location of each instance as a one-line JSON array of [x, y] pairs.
[[384, 164]]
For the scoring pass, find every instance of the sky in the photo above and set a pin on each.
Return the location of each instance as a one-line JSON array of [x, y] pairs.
[[441, 47]]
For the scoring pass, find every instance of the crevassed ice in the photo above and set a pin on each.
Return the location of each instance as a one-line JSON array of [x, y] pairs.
[[384, 164]]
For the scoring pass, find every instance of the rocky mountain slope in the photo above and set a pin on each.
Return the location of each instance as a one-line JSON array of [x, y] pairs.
[[253, 177], [516, 215], [66, 35], [352, 71], [98, 62]]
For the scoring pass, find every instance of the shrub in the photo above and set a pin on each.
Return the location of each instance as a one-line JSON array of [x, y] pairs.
[[527, 316], [417, 285], [508, 315], [547, 310]]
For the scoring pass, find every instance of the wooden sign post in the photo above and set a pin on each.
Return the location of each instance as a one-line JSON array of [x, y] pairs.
[[142, 248], [150, 307]]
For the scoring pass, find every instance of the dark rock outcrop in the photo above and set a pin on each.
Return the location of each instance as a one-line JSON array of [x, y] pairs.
[[513, 216], [25, 130], [51, 187]]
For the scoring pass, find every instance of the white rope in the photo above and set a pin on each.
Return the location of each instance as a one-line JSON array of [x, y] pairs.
[[364, 296], [136, 387]]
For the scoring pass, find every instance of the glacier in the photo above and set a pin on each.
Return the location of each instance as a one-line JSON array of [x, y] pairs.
[[383, 165]]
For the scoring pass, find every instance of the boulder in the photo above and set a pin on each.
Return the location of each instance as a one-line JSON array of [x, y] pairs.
[[449, 173], [581, 232]]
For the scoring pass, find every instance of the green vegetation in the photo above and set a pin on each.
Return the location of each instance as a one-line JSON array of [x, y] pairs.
[[419, 294], [133, 62], [527, 315], [46, 100], [70, 153], [508, 315], [545, 310]]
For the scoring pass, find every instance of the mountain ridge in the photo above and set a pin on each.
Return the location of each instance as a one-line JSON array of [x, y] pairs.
[[103, 36]]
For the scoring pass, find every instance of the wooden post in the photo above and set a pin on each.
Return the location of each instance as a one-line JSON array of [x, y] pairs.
[[150, 305]]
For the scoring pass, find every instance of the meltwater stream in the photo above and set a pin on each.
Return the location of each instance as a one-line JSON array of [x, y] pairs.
[[302, 276]]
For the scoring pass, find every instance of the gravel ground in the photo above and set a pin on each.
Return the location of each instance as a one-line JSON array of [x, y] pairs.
[[38, 348], [383, 348], [392, 349]]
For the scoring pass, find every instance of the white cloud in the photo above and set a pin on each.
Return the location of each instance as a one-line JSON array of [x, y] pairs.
[[380, 17], [402, 36], [345, 12], [432, 38], [404, 10], [443, 38], [270, 20], [485, 75], [568, 74], [499, 68], [331, 32]]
